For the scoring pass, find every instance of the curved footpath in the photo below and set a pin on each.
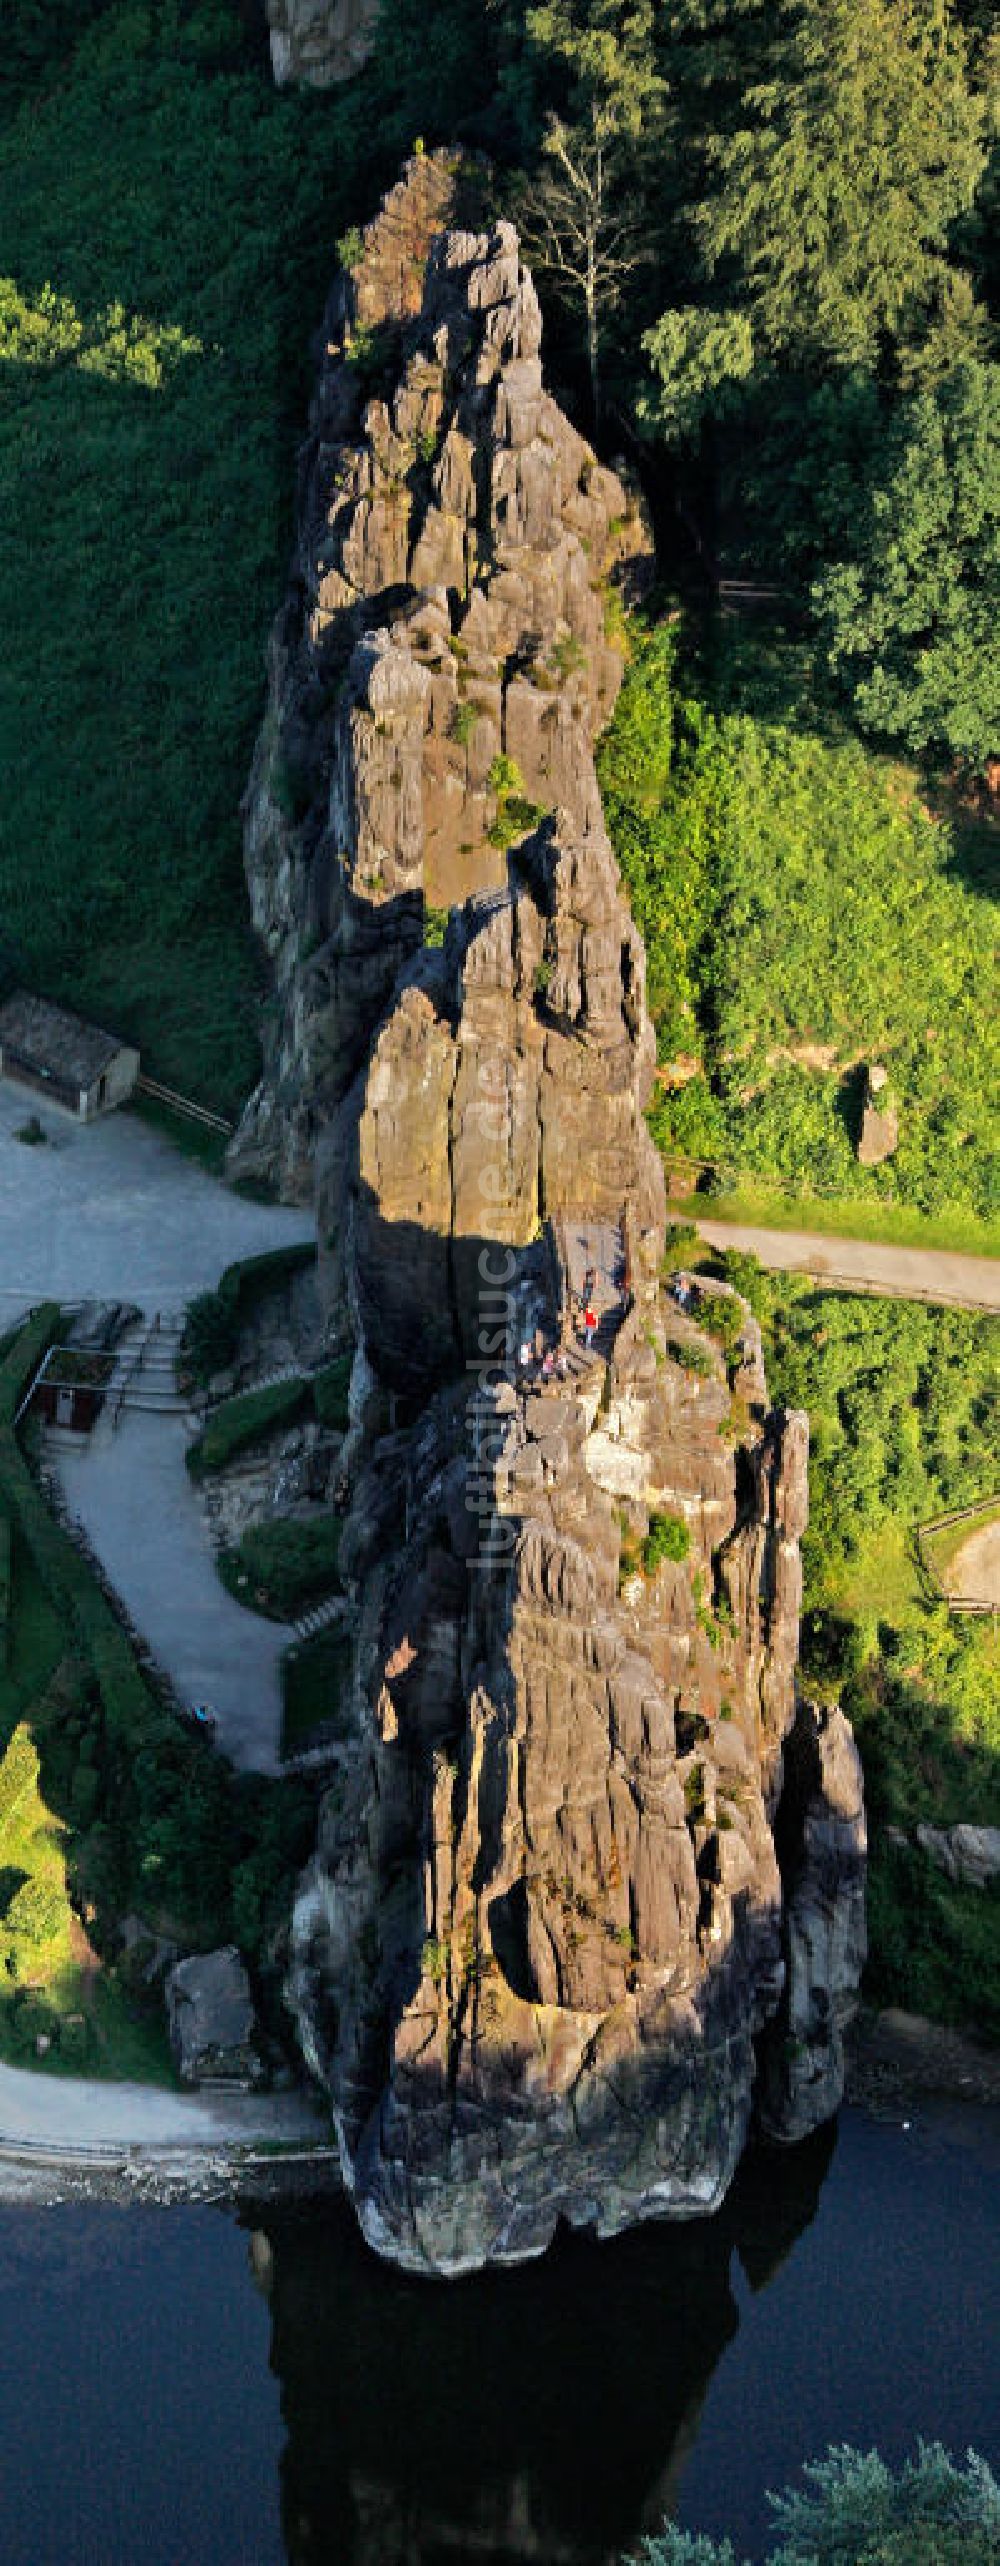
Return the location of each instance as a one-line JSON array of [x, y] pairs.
[[129, 1488], [864, 1265], [76, 2113]]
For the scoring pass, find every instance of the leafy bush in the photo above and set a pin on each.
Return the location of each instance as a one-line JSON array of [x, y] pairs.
[[691, 1357], [239, 1422], [212, 1325], [35, 1912], [463, 723], [803, 909], [682, 1245], [669, 1537], [904, 1425], [853, 2511], [515, 814], [662, 835], [721, 1317], [351, 248], [279, 1568]]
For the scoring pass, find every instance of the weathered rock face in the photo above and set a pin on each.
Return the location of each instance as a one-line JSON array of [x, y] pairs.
[[545, 1924], [504, 1094], [320, 42], [442, 663], [545, 1921], [213, 2027], [879, 1134], [824, 1834]]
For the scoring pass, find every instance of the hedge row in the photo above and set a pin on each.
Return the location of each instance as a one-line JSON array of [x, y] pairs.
[[280, 1568], [238, 1423], [214, 1319]]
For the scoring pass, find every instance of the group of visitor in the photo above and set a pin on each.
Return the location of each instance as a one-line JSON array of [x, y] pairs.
[[538, 1362]]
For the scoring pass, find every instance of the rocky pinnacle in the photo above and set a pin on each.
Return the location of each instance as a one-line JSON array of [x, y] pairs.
[[588, 1888]]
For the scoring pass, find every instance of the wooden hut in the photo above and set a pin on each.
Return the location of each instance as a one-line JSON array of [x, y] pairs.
[[56, 1055]]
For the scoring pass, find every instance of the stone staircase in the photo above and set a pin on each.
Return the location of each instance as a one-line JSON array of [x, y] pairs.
[[145, 1373], [319, 1617]]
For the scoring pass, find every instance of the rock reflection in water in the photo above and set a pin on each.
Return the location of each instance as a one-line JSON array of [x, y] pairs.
[[546, 2414]]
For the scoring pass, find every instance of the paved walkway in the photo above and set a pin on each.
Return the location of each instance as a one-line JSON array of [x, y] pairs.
[[132, 1493], [73, 2114], [903, 1273], [111, 1211]]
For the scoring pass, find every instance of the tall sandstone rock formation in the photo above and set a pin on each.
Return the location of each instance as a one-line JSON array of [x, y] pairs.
[[546, 1954]]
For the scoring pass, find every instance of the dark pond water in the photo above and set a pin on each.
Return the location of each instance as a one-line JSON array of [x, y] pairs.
[[186, 2388]]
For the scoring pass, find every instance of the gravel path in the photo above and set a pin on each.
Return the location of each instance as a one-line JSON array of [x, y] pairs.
[[111, 1211], [74, 2114], [131, 1491], [903, 1273], [974, 1573]]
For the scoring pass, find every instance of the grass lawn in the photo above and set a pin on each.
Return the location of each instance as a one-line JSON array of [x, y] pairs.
[[956, 1231]]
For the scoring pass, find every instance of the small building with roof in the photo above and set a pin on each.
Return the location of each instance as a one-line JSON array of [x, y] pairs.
[[58, 1056]]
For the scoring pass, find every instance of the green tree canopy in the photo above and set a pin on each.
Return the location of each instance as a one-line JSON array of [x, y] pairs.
[[910, 618], [583, 211], [837, 184], [853, 2511]]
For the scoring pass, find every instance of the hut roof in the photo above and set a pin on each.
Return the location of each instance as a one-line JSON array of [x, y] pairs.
[[50, 1038]]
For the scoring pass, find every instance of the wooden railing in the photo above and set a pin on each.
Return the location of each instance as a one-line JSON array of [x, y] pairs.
[[943, 1523], [161, 1095]]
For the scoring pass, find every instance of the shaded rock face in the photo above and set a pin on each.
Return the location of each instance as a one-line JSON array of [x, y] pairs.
[[503, 1098], [213, 2027], [822, 1834], [320, 42], [545, 1924]]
